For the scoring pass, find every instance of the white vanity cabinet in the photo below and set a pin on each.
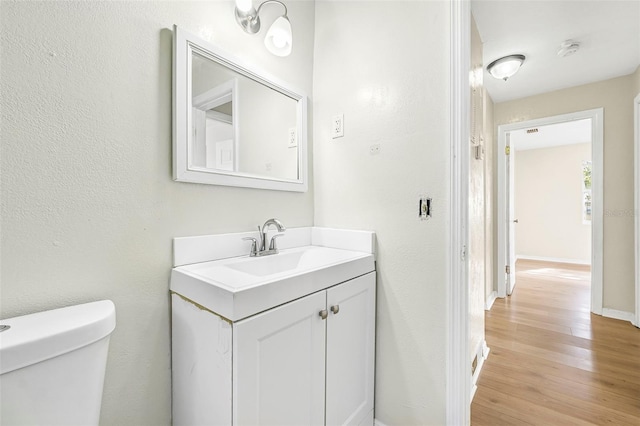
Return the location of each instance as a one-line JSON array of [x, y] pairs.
[[309, 361], [279, 365]]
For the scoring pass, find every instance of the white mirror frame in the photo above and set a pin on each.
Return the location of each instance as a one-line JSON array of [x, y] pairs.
[[184, 46]]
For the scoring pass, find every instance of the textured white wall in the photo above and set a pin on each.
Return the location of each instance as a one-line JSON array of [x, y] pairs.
[[548, 203], [89, 208], [385, 65], [616, 97]]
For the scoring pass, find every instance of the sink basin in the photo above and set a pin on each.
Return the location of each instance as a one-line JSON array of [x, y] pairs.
[[269, 265], [238, 287]]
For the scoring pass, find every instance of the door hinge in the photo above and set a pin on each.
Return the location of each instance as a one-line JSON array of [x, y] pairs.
[[507, 269], [507, 150]]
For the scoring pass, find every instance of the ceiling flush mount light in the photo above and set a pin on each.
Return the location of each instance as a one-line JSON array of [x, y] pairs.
[[568, 47], [279, 39], [505, 67]]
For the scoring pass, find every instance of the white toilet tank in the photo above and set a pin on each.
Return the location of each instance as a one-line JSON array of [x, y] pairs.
[[52, 365]]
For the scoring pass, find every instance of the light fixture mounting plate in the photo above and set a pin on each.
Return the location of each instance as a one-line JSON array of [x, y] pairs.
[[249, 20]]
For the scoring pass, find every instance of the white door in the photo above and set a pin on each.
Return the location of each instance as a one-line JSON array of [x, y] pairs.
[[279, 365], [511, 220], [350, 351]]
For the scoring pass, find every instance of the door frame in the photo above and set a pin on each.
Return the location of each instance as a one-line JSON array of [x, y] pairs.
[[458, 367], [597, 193], [510, 206], [636, 172]]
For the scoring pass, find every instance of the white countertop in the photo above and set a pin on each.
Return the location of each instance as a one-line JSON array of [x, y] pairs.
[[236, 287]]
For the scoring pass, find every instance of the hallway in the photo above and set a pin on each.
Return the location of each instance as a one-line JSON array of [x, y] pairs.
[[552, 362]]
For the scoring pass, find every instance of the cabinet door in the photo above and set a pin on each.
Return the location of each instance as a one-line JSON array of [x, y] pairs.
[[350, 351], [278, 363]]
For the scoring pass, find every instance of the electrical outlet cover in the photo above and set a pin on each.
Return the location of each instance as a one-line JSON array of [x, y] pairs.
[[337, 126], [292, 138]]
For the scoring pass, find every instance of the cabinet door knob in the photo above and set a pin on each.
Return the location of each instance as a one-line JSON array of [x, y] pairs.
[[335, 309], [323, 314]]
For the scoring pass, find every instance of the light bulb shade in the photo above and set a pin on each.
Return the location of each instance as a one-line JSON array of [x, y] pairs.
[[504, 68], [279, 39], [244, 5]]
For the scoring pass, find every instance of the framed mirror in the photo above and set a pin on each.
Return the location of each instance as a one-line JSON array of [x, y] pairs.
[[233, 124]]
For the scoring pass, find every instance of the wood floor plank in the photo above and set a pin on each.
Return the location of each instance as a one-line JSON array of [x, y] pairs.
[[569, 392], [550, 369], [552, 362], [627, 356], [522, 410], [487, 416], [559, 405]]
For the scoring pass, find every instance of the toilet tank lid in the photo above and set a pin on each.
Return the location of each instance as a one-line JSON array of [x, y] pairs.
[[37, 337]]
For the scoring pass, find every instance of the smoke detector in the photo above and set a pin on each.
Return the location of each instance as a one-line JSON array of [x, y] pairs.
[[568, 47]]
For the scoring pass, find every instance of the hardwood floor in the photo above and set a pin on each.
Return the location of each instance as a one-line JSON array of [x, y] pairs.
[[552, 362]]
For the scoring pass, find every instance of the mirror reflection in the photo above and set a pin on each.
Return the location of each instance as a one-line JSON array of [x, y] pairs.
[[239, 125]]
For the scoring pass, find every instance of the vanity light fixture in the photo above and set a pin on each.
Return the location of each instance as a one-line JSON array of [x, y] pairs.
[[505, 67], [279, 39]]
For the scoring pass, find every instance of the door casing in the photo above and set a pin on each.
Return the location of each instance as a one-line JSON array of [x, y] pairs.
[[636, 171], [597, 188]]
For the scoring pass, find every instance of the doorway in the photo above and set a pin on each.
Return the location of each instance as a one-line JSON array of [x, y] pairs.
[[507, 221]]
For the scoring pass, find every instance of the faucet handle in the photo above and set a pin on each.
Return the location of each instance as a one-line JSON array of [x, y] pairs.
[[272, 244], [254, 245]]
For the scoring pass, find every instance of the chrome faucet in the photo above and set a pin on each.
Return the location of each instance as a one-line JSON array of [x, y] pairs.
[[260, 248], [263, 234]]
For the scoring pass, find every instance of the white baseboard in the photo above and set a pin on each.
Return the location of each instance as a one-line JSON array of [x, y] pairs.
[[619, 315], [482, 354], [490, 299], [553, 259]]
